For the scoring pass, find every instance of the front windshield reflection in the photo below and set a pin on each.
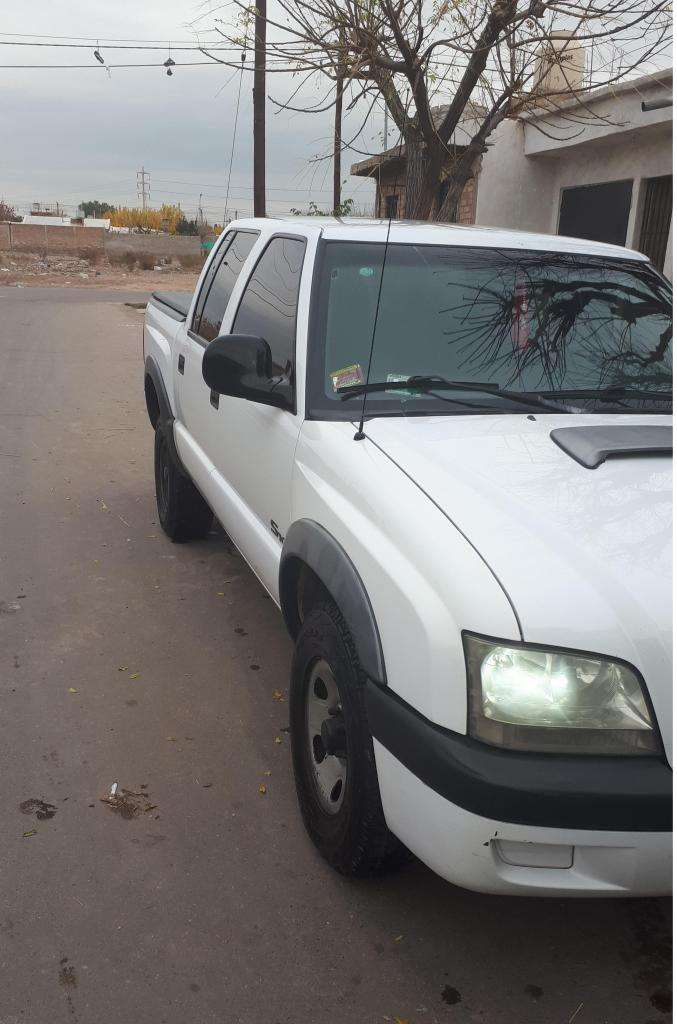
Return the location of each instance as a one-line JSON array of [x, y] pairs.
[[529, 322]]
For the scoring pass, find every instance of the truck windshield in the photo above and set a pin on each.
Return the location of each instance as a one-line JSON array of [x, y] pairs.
[[579, 332]]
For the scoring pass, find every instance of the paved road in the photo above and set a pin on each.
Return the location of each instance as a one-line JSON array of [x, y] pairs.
[[126, 658]]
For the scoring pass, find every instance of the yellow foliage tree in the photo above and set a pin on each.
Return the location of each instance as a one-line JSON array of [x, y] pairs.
[[164, 219]]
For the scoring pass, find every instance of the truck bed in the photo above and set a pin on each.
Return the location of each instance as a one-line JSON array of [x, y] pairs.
[[175, 304]]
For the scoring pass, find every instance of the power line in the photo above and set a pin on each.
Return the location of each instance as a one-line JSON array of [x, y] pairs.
[[96, 67], [211, 185], [92, 39], [218, 48]]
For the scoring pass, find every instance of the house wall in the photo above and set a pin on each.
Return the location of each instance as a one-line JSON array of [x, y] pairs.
[[524, 192], [524, 171]]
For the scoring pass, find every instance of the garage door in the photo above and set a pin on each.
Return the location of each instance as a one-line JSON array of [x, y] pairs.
[[597, 212]]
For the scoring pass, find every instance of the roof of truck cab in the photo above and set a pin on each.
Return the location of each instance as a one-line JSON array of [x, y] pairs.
[[362, 229]]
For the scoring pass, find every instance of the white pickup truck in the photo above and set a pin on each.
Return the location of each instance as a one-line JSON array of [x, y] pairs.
[[446, 454]]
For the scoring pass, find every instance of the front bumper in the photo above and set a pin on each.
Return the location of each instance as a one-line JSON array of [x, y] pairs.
[[536, 824]]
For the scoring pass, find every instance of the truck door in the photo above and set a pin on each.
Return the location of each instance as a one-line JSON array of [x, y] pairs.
[[251, 444], [195, 401]]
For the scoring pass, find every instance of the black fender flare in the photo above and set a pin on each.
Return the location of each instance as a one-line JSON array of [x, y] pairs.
[[307, 543], [152, 370], [166, 417]]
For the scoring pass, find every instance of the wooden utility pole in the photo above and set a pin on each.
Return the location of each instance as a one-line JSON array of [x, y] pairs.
[[338, 115], [260, 109]]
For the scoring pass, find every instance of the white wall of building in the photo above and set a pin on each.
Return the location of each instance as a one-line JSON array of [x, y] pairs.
[[36, 218], [524, 171], [513, 191]]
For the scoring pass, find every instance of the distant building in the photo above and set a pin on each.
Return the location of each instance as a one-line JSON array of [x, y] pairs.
[[96, 222], [388, 170], [45, 218], [52, 220], [603, 174]]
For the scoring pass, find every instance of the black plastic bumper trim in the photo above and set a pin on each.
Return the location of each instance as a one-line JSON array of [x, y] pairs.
[[619, 794]]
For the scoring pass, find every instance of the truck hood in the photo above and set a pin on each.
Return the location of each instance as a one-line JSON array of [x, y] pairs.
[[584, 555]]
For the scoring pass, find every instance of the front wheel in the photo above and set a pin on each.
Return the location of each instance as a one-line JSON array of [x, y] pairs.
[[332, 749], [182, 511]]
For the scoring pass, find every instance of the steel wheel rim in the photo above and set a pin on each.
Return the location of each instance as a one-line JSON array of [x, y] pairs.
[[323, 705]]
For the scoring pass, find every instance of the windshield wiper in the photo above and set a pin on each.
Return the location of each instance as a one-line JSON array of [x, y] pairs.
[[613, 391], [431, 384]]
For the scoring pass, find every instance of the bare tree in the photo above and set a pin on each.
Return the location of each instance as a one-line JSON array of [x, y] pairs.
[[7, 212], [488, 59]]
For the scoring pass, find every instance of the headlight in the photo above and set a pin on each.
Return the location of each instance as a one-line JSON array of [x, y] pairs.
[[526, 698]]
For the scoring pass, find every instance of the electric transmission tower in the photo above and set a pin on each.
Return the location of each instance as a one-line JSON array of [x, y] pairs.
[[143, 186]]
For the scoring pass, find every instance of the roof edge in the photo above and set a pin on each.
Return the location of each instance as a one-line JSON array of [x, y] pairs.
[[592, 95]]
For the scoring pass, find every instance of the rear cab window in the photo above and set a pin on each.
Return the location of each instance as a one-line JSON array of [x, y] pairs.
[[219, 283]]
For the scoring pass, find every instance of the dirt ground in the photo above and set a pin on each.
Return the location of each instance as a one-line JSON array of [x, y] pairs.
[[153, 864], [32, 270]]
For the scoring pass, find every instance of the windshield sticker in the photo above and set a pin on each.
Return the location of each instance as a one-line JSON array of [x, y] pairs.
[[366, 271], [346, 377], [393, 378]]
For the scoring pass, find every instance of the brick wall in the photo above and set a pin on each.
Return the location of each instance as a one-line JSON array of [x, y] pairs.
[[73, 238], [392, 184], [467, 203]]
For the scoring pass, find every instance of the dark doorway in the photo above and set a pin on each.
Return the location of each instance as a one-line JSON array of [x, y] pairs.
[[656, 218], [391, 207], [442, 193], [597, 212]]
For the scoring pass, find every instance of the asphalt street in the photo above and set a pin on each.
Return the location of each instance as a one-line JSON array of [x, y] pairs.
[[164, 668]]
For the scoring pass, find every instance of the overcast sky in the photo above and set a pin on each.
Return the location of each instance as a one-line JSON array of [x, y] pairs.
[[70, 135]]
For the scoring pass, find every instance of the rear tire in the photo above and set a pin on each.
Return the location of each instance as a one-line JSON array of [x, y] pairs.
[[338, 795], [182, 511]]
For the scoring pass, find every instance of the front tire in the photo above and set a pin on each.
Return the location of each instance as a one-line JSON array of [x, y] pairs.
[[182, 511], [333, 751]]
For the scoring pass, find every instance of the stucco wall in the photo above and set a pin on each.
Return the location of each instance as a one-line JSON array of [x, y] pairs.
[[513, 191], [523, 192]]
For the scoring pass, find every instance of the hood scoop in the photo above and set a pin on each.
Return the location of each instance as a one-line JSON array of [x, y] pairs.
[[591, 446]]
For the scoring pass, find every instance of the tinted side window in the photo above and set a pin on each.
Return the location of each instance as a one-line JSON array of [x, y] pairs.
[[223, 283], [208, 278], [269, 302]]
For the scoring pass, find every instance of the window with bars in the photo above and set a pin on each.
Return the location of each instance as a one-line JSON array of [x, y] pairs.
[[656, 218]]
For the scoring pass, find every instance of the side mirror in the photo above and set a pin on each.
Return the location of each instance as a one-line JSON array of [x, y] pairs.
[[241, 365]]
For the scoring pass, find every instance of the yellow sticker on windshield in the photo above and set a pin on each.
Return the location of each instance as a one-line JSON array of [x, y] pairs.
[[347, 376]]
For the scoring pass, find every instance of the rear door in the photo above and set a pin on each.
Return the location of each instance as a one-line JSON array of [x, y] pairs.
[[195, 401]]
